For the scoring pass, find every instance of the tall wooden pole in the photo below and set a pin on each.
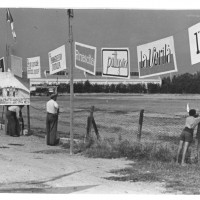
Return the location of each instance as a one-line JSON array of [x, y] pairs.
[[7, 65], [70, 16], [28, 116]]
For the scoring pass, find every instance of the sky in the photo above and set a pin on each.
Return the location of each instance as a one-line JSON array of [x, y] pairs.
[[103, 24]]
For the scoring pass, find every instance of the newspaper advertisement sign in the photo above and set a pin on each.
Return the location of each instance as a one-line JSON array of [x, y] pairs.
[[14, 90], [33, 67], [156, 58], [16, 65], [116, 62], [85, 58], [194, 40], [57, 60]]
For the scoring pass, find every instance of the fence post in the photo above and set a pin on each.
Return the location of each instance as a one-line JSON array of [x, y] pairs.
[[28, 120], [95, 128], [140, 125], [89, 124], [6, 121], [198, 141]]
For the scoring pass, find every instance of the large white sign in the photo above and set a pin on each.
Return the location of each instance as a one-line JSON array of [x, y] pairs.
[[156, 58], [194, 39], [33, 67], [57, 60], [85, 58], [16, 65], [116, 62], [14, 90]]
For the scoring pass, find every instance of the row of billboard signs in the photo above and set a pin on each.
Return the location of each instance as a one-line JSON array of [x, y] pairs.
[[154, 58]]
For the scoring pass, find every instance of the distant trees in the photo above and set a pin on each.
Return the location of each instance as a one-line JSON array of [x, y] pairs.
[[180, 84]]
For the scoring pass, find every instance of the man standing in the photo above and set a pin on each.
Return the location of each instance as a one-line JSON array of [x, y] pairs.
[[52, 120]]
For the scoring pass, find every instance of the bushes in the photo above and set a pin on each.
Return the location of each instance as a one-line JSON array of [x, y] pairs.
[[87, 87], [108, 148]]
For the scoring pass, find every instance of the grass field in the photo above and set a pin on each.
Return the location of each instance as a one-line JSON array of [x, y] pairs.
[[117, 117], [118, 114]]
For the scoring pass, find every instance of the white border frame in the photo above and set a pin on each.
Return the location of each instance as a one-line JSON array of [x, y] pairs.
[[95, 54], [160, 73], [113, 49]]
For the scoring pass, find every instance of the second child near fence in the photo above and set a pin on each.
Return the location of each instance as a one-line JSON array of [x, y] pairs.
[[186, 136]]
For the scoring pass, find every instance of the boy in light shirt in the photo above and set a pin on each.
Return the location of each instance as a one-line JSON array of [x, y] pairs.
[[186, 136]]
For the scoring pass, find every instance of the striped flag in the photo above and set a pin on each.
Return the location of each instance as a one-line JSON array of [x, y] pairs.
[[10, 20]]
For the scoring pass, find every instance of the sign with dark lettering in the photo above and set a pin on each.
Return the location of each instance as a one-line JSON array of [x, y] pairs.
[[33, 67], [116, 62], [85, 58], [14, 90], [2, 65], [156, 58], [57, 60], [194, 40]]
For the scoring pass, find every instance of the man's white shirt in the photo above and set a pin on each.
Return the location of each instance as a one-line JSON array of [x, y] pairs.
[[52, 106]]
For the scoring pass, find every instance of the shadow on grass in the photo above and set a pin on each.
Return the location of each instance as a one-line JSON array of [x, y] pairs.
[[133, 175], [177, 179]]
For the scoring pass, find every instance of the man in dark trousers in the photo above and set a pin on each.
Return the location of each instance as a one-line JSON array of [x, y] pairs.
[[52, 120]]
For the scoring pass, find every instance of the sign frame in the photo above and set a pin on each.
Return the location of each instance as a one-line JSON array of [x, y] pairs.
[[57, 53], [157, 57], [95, 58], [35, 59], [116, 49], [194, 42]]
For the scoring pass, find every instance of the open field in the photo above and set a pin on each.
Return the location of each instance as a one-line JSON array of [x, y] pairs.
[[118, 115]]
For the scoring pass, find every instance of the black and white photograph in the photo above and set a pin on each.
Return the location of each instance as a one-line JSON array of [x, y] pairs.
[[99, 99]]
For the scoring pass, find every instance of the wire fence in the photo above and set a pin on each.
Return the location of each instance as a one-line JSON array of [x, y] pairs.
[[124, 125]]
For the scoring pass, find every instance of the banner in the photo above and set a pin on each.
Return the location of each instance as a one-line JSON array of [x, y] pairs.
[[194, 40], [57, 60], [13, 90], [16, 65], [2, 65], [156, 58], [116, 62], [85, 58], [33, 67]]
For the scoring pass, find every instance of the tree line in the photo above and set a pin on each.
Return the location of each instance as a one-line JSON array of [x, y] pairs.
[[179, 84]]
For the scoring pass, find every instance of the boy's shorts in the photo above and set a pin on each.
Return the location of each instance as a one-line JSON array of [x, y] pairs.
[[187, 135]]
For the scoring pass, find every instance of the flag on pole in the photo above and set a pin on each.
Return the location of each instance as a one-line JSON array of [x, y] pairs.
[[10, 20], [188, 108]]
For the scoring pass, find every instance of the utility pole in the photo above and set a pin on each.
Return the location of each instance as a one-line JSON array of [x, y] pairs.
[[70, 16]]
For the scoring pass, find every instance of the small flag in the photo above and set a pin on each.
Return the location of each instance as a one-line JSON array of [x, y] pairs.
[[188, 109], [10, 20]]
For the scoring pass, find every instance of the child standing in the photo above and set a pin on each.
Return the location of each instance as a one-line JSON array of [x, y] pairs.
[[186, 136]]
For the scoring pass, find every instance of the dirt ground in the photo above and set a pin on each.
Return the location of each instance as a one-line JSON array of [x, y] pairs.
[[28, 165]]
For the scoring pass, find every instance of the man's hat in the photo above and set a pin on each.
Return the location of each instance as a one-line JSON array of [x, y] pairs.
[[53, 96]]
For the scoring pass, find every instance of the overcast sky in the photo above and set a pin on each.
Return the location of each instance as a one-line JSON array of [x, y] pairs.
[[107, 28]]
